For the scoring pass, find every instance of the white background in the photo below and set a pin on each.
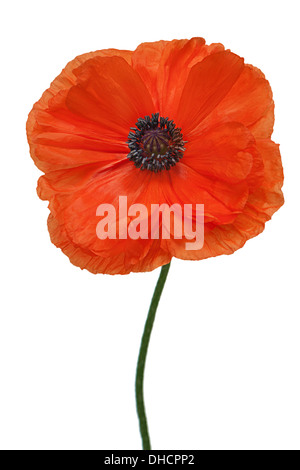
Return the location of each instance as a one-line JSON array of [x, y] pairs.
[[223, 364]]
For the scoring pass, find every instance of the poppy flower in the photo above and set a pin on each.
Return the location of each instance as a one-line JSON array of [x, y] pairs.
[[171, 122]]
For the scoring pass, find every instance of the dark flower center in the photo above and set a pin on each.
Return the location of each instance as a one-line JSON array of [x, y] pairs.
[[155, 143]]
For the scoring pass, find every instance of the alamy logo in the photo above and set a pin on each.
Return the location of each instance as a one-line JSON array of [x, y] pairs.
[[176, 221]]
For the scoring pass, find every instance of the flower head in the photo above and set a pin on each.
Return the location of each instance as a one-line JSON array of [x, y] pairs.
[[171, 122]]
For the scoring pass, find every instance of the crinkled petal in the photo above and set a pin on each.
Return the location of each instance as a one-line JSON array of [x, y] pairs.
[[109, 92], [207, 85], [76, 193], [117, 264], [89, 120], [223, 152], [261, 205], [249, 102], [165, 65]]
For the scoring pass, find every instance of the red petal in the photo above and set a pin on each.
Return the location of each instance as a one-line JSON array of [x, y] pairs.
[[223, 152], [116, 264], [61, 138], [109, 92], [249, 101], [207, 85], [221, 200], [164, 66], [261, 205]]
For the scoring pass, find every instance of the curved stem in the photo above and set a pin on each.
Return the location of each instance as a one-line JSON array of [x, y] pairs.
[[139, 380]]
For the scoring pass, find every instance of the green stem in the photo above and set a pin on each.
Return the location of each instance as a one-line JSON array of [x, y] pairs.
[[139, 379]]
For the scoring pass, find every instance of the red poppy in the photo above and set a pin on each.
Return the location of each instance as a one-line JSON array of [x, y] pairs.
[[214, 123]]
